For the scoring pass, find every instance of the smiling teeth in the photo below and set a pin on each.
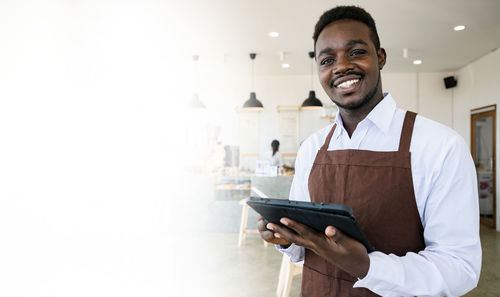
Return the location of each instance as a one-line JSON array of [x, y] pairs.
[[348, 83]]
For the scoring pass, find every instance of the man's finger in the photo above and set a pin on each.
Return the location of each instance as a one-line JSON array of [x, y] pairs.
[[335, 234], [301, 229], [330, 231], [292, 236], [285, 233], [272, 226], [267, 235], [261, 223]]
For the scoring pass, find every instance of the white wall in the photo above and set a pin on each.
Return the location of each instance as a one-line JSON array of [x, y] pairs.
[[403, 87], [478, 85], [423, 93]]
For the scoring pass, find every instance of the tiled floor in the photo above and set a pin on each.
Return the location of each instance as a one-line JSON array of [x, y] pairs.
[[252, 270], [489, 282]]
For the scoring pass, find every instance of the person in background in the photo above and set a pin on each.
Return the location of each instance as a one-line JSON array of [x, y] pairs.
[[275, 156], [410, 181]]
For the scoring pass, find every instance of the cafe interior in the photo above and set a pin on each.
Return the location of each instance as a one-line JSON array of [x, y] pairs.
[[147, 126], [441, 64]]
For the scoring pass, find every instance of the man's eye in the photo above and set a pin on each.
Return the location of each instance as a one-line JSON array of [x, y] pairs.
[[326, 61], [357, 52]]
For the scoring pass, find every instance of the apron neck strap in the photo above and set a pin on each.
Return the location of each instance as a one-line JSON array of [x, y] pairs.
[[404, 141], [406, 132], [324, 148]]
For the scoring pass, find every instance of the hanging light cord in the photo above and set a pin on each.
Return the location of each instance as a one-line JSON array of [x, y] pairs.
[[311, 74], [252, 80]]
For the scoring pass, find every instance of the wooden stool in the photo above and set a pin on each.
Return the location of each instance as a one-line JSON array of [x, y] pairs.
[[287, 271], [244, 222]]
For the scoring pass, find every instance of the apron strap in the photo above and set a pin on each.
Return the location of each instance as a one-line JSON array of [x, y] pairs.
[[324, 148], [406, 132], [404, 141]]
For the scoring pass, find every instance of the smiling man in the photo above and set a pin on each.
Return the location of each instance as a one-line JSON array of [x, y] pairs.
[[410, 181], [349, 64]]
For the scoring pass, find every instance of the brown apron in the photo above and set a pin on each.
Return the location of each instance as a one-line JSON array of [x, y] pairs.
[[379, 188]]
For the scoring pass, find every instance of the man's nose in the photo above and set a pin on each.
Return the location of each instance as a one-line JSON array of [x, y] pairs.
[[342, 65]]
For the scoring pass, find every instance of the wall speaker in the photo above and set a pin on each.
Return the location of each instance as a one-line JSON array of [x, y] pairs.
[[450, 82]]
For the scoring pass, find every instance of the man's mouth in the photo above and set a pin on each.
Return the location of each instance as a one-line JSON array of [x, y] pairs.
[[347, 84], [346, 81]]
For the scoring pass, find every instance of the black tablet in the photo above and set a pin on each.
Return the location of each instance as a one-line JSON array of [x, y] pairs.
[[315, 215]]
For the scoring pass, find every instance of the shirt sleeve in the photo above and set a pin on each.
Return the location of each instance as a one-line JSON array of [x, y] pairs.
[[451, 261], [296, 253]]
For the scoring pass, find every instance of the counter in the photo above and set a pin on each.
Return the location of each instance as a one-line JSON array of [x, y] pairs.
[[271, 186]]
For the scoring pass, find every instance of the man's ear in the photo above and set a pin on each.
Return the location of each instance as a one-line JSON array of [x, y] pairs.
[[381, 58]]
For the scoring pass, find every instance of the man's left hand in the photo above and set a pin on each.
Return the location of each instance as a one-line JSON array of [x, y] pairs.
[[337, 248]]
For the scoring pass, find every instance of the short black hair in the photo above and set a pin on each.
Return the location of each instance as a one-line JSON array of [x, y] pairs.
[[347, 12]]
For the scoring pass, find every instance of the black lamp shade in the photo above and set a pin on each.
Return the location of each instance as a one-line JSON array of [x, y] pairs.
[[253, 102], [312, 101]]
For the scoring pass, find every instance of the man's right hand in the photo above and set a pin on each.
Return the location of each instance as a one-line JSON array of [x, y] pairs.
[[268, 235]]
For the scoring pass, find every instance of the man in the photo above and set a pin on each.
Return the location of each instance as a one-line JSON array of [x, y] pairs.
[[410, 181]]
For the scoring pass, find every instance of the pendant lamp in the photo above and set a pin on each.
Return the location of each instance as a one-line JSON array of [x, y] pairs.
[[311, 102], [252, 103], [195, 102]]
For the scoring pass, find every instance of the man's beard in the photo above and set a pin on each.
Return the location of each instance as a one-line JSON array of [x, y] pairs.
[[363, 102]]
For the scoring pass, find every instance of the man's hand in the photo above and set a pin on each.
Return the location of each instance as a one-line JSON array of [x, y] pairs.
[[334, 246], [268, 235]]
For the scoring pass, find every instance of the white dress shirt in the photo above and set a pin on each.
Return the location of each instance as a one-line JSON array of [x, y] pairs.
[[445, 185], [276, 160]]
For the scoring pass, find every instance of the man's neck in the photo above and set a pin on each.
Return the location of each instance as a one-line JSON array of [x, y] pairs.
[[352, 117]]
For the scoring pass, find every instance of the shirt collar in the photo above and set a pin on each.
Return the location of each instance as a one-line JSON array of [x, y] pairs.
[[381, 115]]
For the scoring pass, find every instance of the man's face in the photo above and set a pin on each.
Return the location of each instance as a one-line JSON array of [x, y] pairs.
[[348, 64]]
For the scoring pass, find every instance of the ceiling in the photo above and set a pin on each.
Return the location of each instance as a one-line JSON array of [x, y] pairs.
[[227, 30]]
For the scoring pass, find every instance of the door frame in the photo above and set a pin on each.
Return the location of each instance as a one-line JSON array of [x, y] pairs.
[[477, 113]]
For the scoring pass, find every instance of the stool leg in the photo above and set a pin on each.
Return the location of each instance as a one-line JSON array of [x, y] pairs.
[[243, 224], [281, 279], [288, 280]]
